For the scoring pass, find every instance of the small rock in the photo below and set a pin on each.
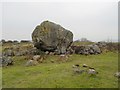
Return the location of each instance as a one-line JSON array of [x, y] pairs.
[[84, 65], [6, 61], [36, 57], [117, 74], [92, 72]]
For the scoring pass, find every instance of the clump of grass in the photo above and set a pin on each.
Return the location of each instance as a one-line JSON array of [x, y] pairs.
[[80, 43]]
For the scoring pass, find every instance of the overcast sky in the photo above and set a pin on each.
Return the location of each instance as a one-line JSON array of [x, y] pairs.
[[96, 21]]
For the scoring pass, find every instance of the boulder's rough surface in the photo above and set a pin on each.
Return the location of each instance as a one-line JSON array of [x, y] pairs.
[[49, 36]]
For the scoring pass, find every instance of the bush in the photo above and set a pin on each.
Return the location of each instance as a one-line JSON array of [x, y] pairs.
[[112, 46]]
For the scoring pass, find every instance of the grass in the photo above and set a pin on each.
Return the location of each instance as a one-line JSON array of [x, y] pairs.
[[79, 43], [55, 75], [0, 48]]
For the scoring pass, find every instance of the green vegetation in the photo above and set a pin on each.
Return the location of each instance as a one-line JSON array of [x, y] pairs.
[[0, 49], [79, 43], [55, 75]]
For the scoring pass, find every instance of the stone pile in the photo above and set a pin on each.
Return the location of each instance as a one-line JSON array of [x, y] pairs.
[[86, 49]]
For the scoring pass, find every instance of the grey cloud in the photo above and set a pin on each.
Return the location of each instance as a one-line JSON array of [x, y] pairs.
[[95, 21]]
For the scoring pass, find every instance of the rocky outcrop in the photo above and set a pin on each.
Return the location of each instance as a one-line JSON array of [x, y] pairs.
[[86, 49], [49, 36]]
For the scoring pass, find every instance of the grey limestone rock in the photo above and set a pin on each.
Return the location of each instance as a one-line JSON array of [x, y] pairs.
[[49, 36]]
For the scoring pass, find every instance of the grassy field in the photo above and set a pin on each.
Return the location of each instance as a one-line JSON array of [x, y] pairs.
[[55, 75], [78, 43]]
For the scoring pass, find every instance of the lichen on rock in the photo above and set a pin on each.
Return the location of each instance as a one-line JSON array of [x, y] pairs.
[[49, 36]]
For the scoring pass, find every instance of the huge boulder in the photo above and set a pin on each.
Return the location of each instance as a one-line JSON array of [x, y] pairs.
[[49, 36]]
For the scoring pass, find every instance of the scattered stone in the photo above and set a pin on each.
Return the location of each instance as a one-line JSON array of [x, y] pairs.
[[51, 53], [91, 68], [8, 52], [77, 70], [73, 66], [86, 49], [46, 52], [6, 61], [31, 63], [36, 57], [84, 65], [33, 51], [63, 58], [101, 44], [92, 72], [117, 74], [77, 65], [96, 49]]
